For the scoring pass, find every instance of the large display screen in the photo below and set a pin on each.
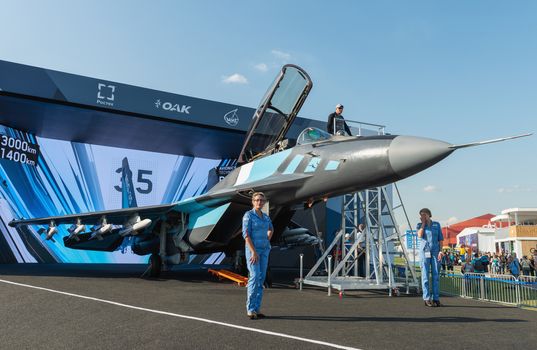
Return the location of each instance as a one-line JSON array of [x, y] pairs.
[[42, 177]]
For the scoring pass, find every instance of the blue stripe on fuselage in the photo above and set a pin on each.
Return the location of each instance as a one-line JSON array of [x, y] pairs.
[[312, 166], [267, 166], [332, 165], [293, 164]]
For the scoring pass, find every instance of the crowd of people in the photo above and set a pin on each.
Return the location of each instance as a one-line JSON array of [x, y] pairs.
[[487, 262]]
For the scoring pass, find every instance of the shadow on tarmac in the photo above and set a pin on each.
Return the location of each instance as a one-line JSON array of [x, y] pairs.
[[183, 273], [440, 319], [112, 271]]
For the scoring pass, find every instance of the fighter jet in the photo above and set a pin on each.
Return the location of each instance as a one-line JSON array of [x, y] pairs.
[[319, 166]]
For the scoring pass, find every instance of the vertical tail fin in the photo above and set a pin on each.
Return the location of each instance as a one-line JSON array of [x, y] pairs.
[[128, 196]]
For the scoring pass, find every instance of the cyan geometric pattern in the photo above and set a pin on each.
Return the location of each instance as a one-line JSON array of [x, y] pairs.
[[72, 177]]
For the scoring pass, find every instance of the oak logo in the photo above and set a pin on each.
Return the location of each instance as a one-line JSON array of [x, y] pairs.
[[174, 107]]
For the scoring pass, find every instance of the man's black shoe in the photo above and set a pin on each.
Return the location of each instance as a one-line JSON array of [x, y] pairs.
[[437, 303]]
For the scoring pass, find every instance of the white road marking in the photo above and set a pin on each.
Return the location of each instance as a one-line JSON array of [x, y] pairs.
[[282, 335]]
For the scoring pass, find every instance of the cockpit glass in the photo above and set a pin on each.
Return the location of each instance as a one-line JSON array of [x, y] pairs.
[[311, 135], [289, 91]]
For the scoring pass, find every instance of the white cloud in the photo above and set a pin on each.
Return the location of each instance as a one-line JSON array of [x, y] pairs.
[[430, 188], [235, 79], [281, 55], [452, 220], [514, 189], [262, 67]]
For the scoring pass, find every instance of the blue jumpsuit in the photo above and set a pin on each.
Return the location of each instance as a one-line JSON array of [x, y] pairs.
[[430, 243], [256, 228]]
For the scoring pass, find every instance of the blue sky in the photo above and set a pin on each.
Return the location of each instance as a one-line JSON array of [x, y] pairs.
[[458, 71]]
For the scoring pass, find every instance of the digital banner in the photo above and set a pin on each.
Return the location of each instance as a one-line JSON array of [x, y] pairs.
[[42, 177], [469, 241], [65, 87]]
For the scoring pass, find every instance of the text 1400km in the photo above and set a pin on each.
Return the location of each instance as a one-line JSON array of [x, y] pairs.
[[18, 150]]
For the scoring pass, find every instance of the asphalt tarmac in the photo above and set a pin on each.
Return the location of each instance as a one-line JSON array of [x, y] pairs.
[[66, 306]]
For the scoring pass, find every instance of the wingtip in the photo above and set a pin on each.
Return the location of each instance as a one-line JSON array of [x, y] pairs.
[[15, 222]]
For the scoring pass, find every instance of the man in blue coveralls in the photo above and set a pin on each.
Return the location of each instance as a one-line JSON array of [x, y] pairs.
[[431, 239]]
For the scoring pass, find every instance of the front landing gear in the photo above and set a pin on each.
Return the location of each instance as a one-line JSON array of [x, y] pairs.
[[155, 266]]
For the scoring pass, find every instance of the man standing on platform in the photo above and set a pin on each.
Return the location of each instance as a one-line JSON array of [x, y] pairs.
[[431, 240], [336, 122]]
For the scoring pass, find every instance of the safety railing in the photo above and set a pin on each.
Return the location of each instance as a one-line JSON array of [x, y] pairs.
[[528, 291], [504, 289], [339, 126]]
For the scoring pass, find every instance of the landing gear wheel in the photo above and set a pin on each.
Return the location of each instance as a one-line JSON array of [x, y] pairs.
[[155, 265]]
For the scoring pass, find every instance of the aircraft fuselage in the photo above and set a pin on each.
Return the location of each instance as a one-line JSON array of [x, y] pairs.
[[335, 167]]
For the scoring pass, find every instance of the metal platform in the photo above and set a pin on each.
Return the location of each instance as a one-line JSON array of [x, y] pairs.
[[350, 283], [363, 252]]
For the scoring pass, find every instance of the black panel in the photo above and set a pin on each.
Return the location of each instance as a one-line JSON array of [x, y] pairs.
[[109, 243], [131, 131]]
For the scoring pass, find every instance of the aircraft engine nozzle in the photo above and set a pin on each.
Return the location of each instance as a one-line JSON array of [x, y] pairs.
[[409, 155]]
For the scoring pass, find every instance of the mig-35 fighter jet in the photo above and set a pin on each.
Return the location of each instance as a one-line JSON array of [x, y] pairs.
[[319, 166]]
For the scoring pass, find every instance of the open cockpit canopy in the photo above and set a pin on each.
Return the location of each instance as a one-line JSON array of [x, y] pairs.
[[276, 113]]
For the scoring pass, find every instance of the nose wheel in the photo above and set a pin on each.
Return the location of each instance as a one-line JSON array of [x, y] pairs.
[[155, 266]]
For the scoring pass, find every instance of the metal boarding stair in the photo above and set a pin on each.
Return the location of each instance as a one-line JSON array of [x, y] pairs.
[[374, 246]]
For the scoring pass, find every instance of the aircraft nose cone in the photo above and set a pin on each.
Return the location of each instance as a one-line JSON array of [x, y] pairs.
[[409, 155]]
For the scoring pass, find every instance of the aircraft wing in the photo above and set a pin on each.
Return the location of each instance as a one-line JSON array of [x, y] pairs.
[[116, 216], [213, 217]]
